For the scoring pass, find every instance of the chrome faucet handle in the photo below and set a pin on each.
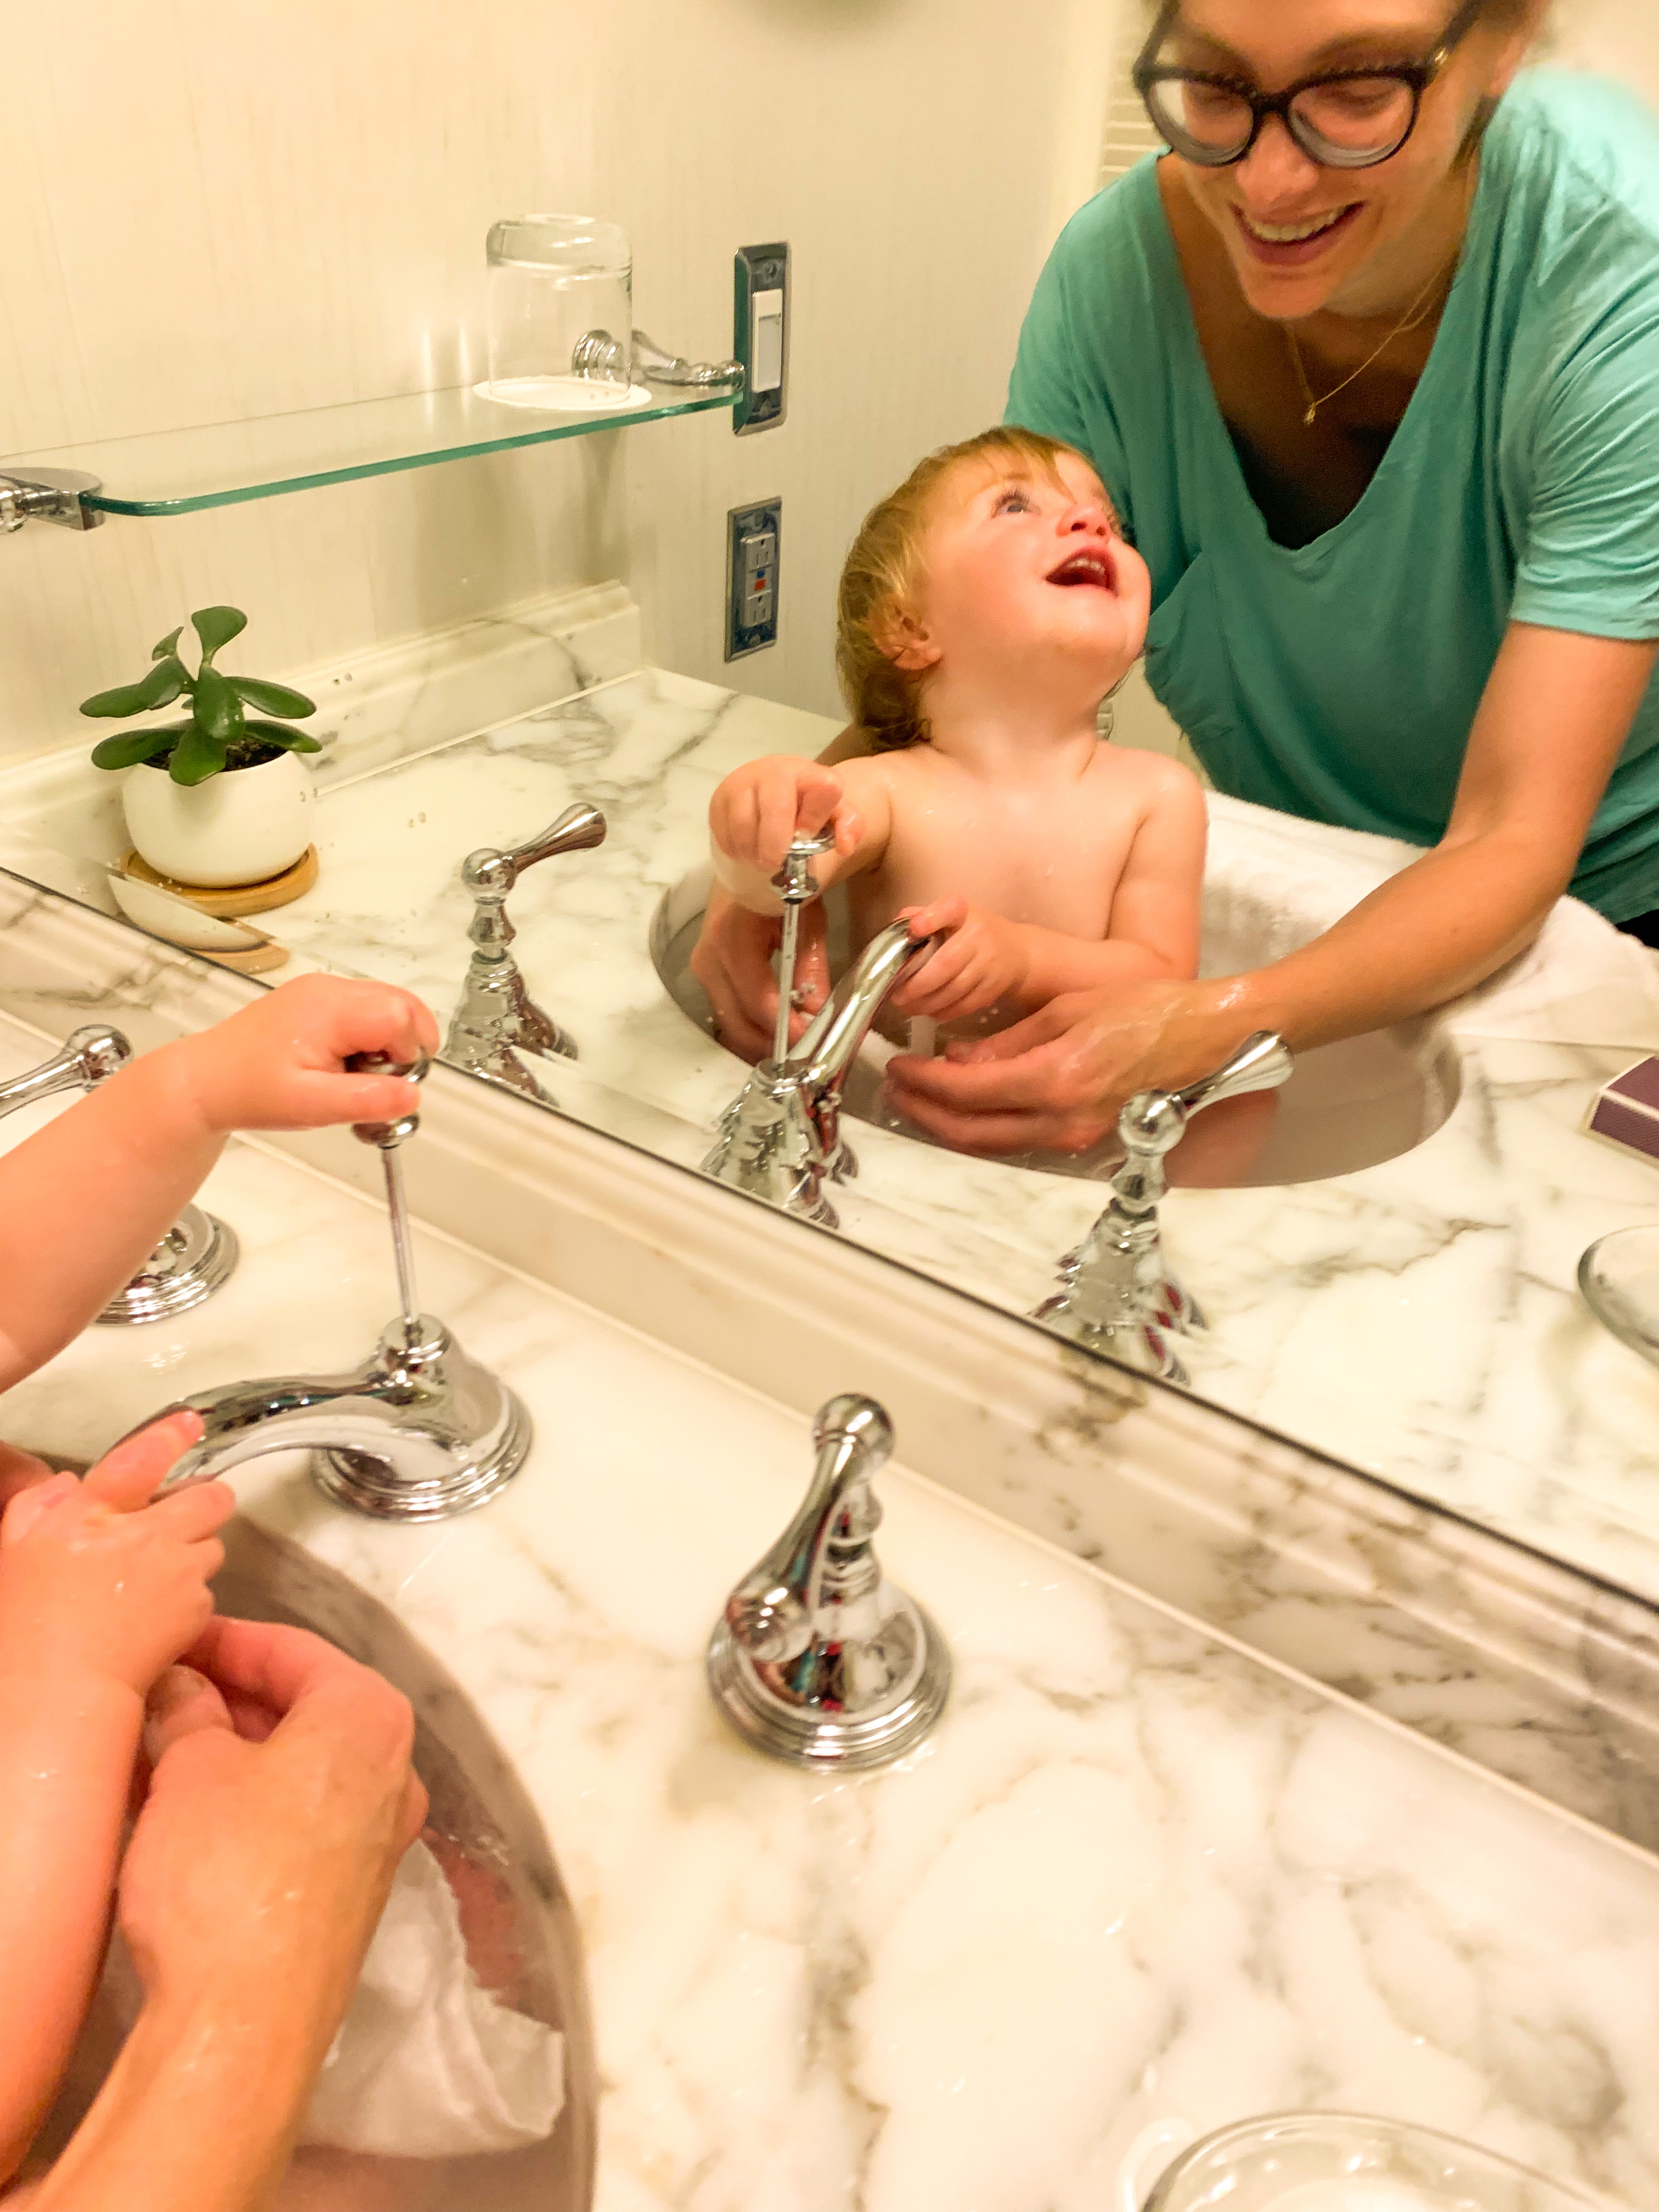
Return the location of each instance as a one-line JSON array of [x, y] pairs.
[[387, 1134], [597, 354], [90, 1056], [490, 873], [818, 1659], [1262, 1063], [796, 886], [387, 1137], [496, 1018], [1116, 1294], [198, 1254]]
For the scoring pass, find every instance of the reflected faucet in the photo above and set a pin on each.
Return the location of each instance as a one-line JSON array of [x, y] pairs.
[[818, 1659], [198, 1256], [496, 1017], [419, 1433], [1116, 1295], [781, 1139]]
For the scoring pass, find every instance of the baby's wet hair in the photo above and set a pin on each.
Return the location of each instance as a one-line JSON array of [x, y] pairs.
[[883, 569]]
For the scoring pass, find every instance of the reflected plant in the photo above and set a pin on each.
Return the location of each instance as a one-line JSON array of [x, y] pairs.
[[217, 733]]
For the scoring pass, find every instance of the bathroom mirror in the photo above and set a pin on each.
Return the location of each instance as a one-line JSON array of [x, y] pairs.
[[1388, 1267], [1385, 1258]]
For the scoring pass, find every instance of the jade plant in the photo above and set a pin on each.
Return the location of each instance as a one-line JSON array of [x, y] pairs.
[[216, 734]]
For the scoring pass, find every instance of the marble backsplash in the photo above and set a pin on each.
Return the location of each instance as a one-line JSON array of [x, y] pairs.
[[1542, 1674]]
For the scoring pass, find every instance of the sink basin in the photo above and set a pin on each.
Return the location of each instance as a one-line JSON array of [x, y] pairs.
[[479, 1813], [1346, 1106]]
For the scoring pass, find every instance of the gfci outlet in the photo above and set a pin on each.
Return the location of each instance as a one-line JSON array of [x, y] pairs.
[[753, 537]]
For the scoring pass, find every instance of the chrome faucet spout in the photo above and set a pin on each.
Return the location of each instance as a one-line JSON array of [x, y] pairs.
[[420, 1432], [781, 1139], [89, 1058], [831, 1044]]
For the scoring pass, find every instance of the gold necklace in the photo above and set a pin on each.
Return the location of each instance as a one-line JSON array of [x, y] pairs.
[[1415, 314]]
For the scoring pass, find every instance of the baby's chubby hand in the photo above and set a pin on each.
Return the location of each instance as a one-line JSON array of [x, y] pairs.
[[280, 1063], [759, 807], [99, 1576], [982, 961]]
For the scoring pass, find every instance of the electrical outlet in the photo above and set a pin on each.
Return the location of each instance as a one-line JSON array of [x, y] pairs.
[[759, 336], [753, 537]]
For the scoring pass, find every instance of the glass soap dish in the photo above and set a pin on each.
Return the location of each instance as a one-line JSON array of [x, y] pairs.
[[1348, 2162], [1619, 1275]]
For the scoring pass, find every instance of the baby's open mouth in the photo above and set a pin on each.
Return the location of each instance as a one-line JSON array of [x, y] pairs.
[[1094, 568]]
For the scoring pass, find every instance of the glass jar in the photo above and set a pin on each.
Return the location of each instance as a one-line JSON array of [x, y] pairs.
[[1347, 2162], [561, 314]]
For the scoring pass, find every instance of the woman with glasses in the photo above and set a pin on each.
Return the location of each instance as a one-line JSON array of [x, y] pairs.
[[1368, 362]]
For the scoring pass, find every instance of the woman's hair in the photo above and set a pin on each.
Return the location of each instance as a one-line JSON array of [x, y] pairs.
[[879, 580]]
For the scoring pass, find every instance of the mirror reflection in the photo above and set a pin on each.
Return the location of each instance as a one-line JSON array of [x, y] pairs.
[[1207, 827]]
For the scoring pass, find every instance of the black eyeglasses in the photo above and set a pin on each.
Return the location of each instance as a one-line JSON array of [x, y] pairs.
[[1348, 119]]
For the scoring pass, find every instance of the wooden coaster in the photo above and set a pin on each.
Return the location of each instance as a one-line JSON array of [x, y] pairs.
[[232, 900], [258, 960]]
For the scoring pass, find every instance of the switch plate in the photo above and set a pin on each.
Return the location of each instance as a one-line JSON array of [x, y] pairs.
[[759, 336], [753, 537]]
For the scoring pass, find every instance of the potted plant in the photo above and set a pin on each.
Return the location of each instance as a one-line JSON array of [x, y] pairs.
[[220, 799]]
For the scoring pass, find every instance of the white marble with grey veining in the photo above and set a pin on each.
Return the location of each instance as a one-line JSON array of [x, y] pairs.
[[1417, 1318], [1135, 1874]]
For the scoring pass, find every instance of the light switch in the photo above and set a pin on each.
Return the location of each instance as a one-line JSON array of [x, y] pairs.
[[760, 335]]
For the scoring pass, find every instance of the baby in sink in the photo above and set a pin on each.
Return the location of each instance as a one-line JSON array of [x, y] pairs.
[[986, 607]]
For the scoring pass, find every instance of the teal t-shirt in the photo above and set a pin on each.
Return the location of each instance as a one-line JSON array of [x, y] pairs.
[[1339, 680]]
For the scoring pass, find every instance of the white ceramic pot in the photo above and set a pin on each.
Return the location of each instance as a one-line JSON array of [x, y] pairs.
[[239, 827]]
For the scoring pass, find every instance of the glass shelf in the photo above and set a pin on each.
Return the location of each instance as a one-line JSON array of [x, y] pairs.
[[179, 471]]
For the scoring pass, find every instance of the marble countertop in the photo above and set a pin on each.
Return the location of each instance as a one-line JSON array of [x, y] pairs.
[[1135, 1874], [1418, 1319]]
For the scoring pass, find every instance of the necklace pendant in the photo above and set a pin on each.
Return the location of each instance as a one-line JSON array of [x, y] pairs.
[[1307, 420]]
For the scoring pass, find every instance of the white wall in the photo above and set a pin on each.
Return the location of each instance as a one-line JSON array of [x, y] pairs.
[[1618, 37], [214, 208]]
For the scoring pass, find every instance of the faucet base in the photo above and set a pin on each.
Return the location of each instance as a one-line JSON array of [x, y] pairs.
[[197, 1257], [374, 1486], [816, 1734]]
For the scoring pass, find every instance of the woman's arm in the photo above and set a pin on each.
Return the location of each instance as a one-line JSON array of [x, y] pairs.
[[1555, 713], [250, 1892]]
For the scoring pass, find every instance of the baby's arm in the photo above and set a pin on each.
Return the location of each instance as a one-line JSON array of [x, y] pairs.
[[83, 1202], [99, 1592], [761, 807]]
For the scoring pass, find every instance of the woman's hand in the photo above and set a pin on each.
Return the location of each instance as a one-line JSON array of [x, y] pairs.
[[983, 962], [732, 962], [761, 807], [1056, 1081], [280, 1063], [96, 1580], [282, 1799]]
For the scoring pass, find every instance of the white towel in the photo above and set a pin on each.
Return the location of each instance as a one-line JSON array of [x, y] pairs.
[[426, 2064]]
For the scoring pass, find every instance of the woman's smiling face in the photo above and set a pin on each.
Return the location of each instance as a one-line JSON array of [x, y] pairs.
[[1300, 236]]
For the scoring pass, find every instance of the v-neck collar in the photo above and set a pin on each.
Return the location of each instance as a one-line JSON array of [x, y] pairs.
[[1328, 542]]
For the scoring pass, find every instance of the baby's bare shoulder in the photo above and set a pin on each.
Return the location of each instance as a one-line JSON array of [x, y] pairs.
[[1150, 779]]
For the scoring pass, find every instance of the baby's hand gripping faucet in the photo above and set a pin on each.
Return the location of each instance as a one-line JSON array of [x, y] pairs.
[[198, 1254], [419, 1433]]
